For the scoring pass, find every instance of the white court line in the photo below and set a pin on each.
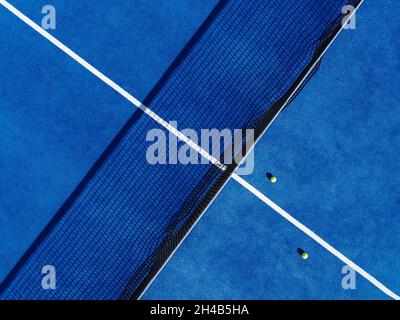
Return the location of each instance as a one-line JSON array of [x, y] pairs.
[[113, 85], [196, 147]]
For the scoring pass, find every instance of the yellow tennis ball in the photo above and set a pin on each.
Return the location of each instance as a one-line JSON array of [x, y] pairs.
[[273, 179], [304, 256]]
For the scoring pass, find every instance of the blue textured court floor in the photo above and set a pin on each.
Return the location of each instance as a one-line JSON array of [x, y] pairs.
[[335, 150]]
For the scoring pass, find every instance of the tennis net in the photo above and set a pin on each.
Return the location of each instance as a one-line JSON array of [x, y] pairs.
[[126, 217]]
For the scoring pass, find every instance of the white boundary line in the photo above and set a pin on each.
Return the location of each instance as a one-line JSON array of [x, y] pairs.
[[201, 151]]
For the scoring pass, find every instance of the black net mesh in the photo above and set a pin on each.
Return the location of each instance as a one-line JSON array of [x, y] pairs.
[[113, 234]]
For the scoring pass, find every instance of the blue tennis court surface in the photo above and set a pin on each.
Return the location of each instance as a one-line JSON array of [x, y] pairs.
[[334, 151]]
